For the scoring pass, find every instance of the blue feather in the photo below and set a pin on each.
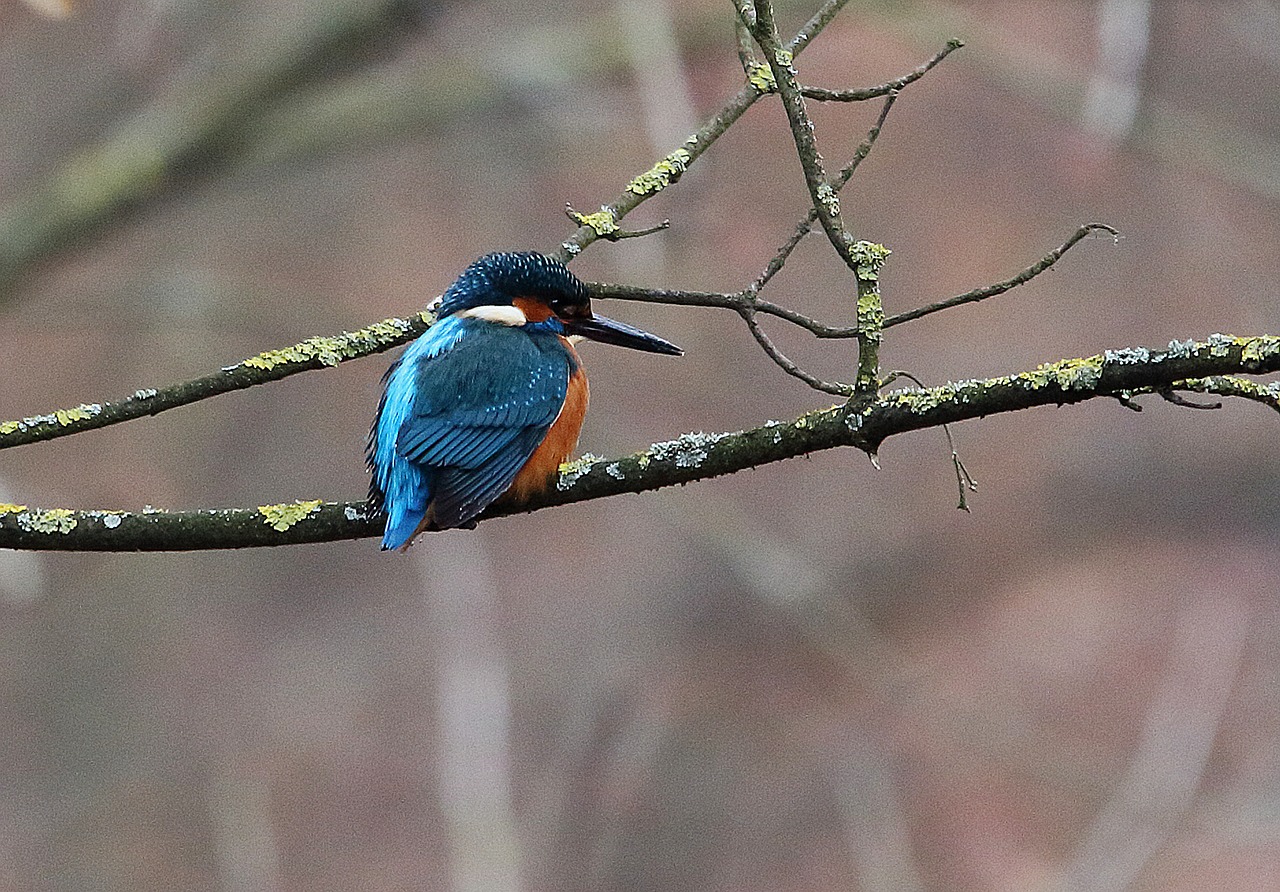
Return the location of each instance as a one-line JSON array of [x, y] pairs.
[[497, 278], [463, 409], [402, 488]]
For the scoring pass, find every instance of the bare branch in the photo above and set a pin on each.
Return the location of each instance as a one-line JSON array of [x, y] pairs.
[[833, 387], [607, 228], [739, 302], [805, 226], [747, 301], [671, 167], [863, 258], [821, 194], [323, 351], [1001, 287], [1168, 395], [964, 480], [746, 49], [195, 121], [893, 86]]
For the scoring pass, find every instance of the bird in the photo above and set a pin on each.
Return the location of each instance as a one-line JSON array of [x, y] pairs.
[[489, 401]]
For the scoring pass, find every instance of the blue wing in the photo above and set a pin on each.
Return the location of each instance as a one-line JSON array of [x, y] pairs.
[[482, 408], [460, 418], [400, 489]]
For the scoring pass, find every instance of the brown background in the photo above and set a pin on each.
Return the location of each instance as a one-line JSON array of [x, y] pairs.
[[812, 676]]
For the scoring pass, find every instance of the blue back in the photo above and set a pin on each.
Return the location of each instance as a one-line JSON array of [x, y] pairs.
[[461, 412]]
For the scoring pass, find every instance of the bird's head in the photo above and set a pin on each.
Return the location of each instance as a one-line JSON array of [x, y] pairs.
[[517, 288]]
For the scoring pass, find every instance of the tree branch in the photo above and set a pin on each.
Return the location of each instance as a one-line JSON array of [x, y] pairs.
[[670, 168], [863, 258], [272, 365], [1021, 278], [321, 351], [805, 226], [863, 424]]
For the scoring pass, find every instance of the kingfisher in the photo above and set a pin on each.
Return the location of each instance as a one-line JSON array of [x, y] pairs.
[[489, 401]]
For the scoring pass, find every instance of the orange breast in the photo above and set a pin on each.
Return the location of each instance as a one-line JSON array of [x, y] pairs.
[[561, 440]]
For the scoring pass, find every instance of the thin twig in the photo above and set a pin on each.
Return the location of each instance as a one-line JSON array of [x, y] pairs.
[[748, 299], [788, 366], [861, 95], [805, 226], [1169, 396], [863, 259], [1231, 385], [669, 169], [1125, 398], [746, 49], [821, 194], [812, 28], [739, 301], [1001, 287], [747, 302], [607, 228], [197, 121], [964, 480]]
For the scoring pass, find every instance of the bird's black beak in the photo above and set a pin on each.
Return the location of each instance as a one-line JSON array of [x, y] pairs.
[[609, 331]]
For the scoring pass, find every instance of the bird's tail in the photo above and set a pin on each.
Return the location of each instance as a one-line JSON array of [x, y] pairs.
[[403, 522]]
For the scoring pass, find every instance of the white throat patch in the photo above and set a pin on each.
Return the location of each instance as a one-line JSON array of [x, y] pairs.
[[505, 314]]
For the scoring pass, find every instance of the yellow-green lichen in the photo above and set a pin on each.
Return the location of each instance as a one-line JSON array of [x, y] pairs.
[[570, 471], [281, 517], [1085, 373], [9, 508], [61, 417], [870, 258], [79, 413], [601, 222], [54, 520], [783, 57], [331, 350], [1259, 349], [1069, 374], [870, 312], [926, 399], [662, 174], [760, 77]]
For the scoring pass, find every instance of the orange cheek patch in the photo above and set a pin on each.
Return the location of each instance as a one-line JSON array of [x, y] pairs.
[[534, 310]]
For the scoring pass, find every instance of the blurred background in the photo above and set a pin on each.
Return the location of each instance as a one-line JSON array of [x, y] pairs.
[[811, 676]]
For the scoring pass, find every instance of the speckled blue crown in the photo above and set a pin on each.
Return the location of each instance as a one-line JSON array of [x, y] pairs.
[[499, 277]]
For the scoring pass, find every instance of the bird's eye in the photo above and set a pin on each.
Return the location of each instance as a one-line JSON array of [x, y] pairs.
[[568, 309]]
